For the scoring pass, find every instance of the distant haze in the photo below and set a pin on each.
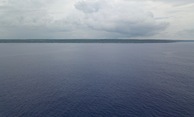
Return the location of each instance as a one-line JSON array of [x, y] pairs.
[[96, 19]]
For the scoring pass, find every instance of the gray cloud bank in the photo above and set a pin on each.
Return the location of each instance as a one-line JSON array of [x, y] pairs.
[[93, 19]]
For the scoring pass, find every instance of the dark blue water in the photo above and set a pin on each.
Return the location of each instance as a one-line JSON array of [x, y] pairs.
[[97, 80]]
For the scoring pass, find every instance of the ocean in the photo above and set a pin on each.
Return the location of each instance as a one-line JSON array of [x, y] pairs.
[[97, 79]]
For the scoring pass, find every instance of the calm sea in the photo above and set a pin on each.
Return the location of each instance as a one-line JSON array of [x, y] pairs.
[[97, 80]]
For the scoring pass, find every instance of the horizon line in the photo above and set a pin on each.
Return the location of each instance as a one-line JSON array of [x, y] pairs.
[[92, 41]]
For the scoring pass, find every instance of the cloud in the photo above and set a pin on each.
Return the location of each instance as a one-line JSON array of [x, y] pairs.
[[88, 7], [120, 17], [186, 34], [93, 18], [178, 2]]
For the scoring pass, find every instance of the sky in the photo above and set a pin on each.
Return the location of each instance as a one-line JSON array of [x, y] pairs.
[[96, 19]]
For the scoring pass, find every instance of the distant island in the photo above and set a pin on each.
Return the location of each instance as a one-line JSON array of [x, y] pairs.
[[90, 41]]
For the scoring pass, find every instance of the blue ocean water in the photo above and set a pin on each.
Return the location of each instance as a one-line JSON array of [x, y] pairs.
[[97, 80]]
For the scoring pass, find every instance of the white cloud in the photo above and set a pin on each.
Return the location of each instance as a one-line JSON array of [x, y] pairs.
[[95, 18], [130, 19], [88, 6]]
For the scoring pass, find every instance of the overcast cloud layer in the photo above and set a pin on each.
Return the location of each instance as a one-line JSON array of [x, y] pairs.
[[160, 19]]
